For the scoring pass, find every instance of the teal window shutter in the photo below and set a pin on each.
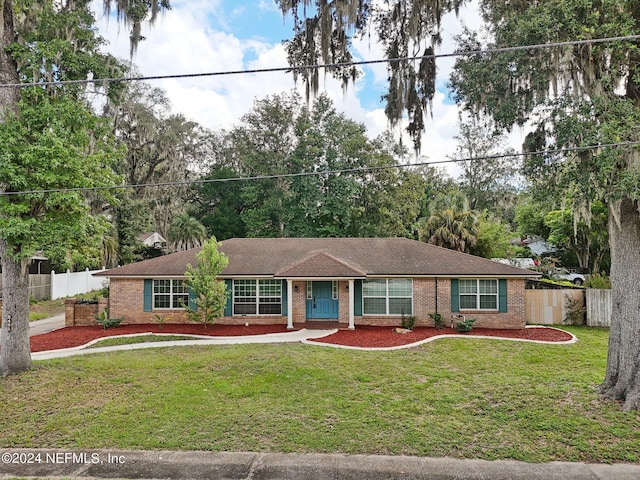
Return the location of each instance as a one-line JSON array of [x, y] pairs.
[[284, 298], [455, 295], [192, 300], [148, 295], [228, 309], [502, 295], [357, 297]]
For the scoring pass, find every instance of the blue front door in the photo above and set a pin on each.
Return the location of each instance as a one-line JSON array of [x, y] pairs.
[[322, 305]]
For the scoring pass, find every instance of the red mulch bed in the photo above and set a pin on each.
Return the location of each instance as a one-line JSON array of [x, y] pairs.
[[75, 336], [362, 336], [378, 337]]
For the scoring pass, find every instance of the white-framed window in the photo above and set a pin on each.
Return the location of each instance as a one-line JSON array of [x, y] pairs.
[[170, 294], [257, 297], [387, 296], [309, 290], [334, 289], [478, 294]]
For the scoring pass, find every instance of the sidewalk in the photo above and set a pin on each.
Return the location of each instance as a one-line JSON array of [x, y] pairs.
[[92, 464]]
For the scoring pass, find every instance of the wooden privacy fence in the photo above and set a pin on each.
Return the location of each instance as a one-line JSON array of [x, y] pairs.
[[39, 286], [550, 307], [598, 307]]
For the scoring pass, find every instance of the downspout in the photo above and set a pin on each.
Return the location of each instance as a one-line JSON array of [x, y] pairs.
[[436, 294]]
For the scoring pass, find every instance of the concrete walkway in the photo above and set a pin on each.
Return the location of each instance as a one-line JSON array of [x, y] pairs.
[[102, 464]]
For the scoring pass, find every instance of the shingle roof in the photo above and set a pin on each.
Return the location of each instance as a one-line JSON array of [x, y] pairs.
[[339, 257], [321, 264]]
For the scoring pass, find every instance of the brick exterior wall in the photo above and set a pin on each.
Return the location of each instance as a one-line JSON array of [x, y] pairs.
[[126, 300], [82, 314], [514, 317]]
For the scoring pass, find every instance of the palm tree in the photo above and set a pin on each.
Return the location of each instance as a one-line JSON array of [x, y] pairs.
[[186, 232], [451, 224]]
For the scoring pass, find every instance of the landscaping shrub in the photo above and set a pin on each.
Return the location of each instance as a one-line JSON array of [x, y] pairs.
[[465, 325], [438, 320], [107, 322], [408, 321]]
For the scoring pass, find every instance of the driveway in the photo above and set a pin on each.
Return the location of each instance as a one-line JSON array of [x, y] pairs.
[[45, 325]]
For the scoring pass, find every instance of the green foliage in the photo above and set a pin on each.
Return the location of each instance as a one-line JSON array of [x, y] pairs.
[[219, 204], [56, 143], [209, 293], [451, 224], [529, 219], [106, 321], [408, 321], [587, 239], [186, 232], [574, 311], [466, 325], [438, 320], [598, 280], [493, 238], [491, 179], [281, 134], [160, 319]]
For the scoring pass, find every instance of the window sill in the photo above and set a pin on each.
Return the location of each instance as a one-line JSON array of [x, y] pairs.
[[488, 310]]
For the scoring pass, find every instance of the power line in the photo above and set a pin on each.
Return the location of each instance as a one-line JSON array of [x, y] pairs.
[[328, 65], [319, 172]]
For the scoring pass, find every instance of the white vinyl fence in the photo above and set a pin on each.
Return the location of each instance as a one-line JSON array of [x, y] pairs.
[[65, 285]]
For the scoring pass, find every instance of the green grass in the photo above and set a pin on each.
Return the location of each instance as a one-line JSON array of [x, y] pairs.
[[464, 398], [115, 341]]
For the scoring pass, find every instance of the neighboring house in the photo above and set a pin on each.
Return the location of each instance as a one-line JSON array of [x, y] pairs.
[[517, 262], [152, 239], [537, 245], [342, 282]]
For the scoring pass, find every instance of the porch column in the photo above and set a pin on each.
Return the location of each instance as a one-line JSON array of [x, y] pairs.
[[352, 296], [289, 303]]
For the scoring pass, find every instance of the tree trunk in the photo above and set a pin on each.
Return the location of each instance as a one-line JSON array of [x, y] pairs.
[[8, 70], [15, 349], [15, 352], [622, 380]]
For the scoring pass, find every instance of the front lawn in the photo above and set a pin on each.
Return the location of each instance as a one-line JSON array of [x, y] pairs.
[[465, 398]]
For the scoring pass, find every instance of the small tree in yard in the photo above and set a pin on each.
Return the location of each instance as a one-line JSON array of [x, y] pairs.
[[209, 293]]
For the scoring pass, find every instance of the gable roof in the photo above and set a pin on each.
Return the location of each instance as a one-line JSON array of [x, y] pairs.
[[321, 264], [327, 257]]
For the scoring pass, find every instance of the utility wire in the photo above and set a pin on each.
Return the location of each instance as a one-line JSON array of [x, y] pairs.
[[319, 172], [328, 65]]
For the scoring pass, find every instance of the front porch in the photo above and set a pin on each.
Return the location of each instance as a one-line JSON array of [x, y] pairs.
[[321, 303]]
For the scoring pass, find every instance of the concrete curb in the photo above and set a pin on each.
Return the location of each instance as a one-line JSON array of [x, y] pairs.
[[122, 464]]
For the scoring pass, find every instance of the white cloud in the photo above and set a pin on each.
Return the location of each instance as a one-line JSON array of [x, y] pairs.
[[195, 37]]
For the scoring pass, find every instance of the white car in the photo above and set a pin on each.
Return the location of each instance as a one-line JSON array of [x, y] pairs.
[[575, 278]]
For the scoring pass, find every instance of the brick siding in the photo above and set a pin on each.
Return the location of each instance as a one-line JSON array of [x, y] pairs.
[[126, 300]]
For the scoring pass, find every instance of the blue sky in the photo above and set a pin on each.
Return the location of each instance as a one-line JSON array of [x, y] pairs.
[[220, 35]]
